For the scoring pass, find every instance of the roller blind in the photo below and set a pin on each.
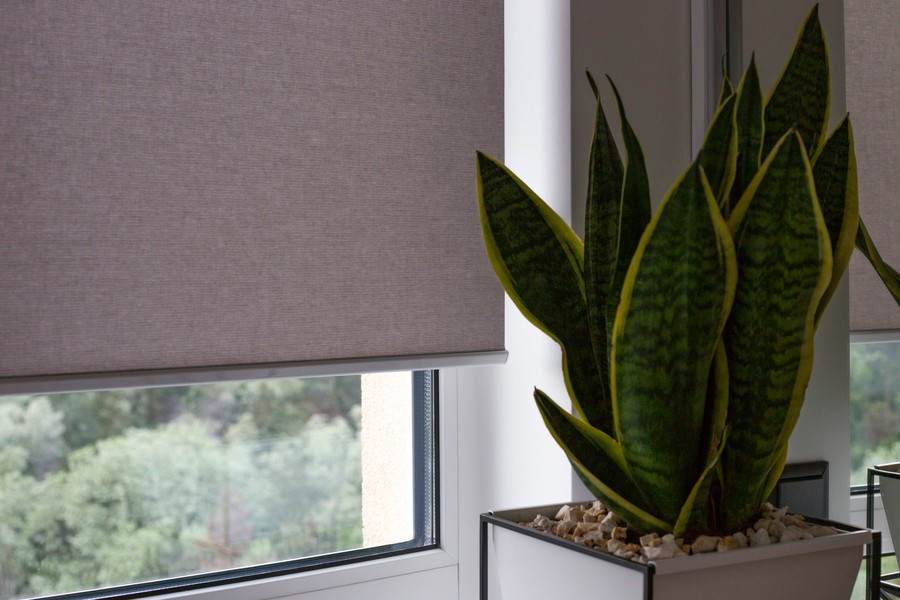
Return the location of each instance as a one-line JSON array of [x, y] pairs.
[[873, 99], [258, 187]]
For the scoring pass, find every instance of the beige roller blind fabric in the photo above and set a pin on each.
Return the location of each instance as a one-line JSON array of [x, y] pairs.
[[873, 99], [200, 184]]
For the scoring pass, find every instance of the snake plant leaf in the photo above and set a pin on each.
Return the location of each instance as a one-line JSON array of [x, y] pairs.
[[634, 213], [886, 272], [539, 261], [593, 83], [588, 445], [675, 301], [718, 154], [748, 117], [784, 260], [800, 98], [703, 512], [727, 89], [599, 463], [601, 235], [693, 512], [775, 473], [637, 518], [834, 171]]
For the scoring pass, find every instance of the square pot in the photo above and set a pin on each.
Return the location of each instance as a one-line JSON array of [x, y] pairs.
[[521, 563]]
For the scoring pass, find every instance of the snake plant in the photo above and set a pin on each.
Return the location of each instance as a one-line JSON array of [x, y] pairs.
[[687, 334]]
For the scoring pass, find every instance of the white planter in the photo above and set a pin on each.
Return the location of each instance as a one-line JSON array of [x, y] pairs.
[[520, 563]]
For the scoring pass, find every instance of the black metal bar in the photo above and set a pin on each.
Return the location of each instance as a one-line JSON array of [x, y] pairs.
[[483, 561], [873, 585], [873, 566]]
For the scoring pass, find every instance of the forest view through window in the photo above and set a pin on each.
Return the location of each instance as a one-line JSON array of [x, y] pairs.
[[874, 406], [110, 488]]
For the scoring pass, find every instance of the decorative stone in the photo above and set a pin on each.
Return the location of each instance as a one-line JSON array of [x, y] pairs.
[[800, 532], [727, 543], [543, 523], [569, 513], [594, 526], [666, 549], [822, 530], [760, 538], [565, 527], [793, 520], [583, 527], [594, 537], [610, 518], [776, 529], [704, 544], [615, 546]]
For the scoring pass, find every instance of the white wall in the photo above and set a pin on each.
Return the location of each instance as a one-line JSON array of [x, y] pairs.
[[506, 456]]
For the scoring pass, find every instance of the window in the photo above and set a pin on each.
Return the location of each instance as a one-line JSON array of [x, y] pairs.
[[212, 483], [870, 28], [874, 405]]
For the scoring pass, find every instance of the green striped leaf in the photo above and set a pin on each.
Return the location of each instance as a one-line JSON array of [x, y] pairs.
[[775, 473], [601, 235], [718, 154], [727, 89], [784, 265], [595, 455], [834, 171], [799, 100], [694, 509], [674, 304], [634, 212], [748, 117], [886, 272], [539, 261]]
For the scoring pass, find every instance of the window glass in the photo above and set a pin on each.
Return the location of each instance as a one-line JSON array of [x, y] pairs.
[[111, 488], [874, 406]]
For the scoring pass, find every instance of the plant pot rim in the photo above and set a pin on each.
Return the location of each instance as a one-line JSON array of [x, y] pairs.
[[847, 535], [891, 470]]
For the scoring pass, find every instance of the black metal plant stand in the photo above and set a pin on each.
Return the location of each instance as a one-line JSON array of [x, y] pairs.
[[878, 586]]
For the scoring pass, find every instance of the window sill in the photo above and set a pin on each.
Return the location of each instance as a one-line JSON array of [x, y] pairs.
[[390, 574]]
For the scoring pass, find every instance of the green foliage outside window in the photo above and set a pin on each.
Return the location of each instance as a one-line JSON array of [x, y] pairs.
[[107, 488], [874, 406]]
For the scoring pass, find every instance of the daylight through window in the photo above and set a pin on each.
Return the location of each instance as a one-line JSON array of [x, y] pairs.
[[114, 488], [874, 406]]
